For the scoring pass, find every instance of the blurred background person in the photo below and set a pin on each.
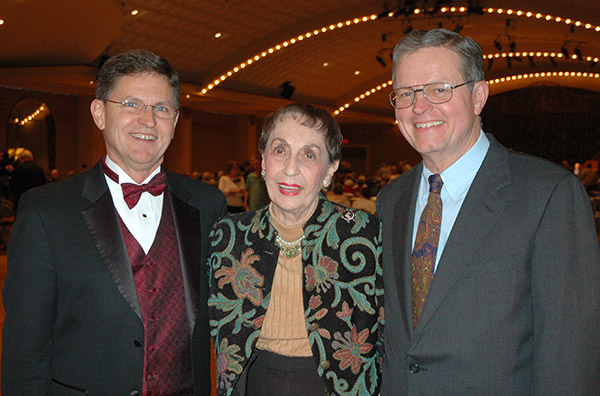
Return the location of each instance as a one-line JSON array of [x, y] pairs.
[[337, 195], [232, 184], [366, 200], [209, 178], [256, 187], [53, 176], [27, 174]]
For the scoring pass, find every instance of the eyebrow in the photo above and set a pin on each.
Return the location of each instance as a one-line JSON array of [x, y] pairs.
[[422, 85], [282, 140], [160, 102]]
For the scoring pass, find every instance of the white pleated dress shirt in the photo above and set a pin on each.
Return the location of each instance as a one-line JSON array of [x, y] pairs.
[[143, 219]]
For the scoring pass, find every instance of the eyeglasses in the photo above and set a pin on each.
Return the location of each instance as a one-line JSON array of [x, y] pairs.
[[133, 107], [435, 93]]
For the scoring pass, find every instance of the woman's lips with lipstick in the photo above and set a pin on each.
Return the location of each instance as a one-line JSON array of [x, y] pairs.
[[289, 189]]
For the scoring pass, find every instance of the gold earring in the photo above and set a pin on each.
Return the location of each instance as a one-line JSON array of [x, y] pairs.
[[263, 174], [325, 184]]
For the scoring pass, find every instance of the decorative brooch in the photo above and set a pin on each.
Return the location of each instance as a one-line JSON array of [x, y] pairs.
[[348, 215]]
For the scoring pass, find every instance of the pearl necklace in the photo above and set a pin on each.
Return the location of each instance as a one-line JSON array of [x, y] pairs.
[[289, 249]]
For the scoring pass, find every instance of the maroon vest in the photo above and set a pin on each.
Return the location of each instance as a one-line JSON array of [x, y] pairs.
[[159, 284]]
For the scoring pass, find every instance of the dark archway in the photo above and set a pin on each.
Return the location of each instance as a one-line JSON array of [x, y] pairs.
[[31, 126]]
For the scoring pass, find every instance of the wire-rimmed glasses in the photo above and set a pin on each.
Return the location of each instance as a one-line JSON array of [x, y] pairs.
[[134, 107], [435, 93]]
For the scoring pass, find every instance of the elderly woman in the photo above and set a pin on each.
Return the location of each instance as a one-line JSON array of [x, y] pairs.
[[296, 289]]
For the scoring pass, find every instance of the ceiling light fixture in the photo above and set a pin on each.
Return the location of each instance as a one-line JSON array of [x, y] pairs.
[[287, 90], [497, 44]]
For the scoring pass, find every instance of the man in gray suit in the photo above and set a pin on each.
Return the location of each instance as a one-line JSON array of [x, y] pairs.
[[504, 297]]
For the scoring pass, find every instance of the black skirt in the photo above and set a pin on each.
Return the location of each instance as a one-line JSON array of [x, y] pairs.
[[274, 374]]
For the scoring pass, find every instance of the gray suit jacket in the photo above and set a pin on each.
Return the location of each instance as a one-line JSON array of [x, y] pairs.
[[73, 320], [514, 307]]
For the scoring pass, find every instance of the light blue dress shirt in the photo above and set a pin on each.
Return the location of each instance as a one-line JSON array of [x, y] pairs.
[[457, 181]]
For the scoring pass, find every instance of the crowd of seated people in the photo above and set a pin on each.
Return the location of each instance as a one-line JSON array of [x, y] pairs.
[[348, 188], [359, 191]]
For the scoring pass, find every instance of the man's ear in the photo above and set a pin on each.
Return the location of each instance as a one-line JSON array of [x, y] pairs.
[[98, 110], [480, 94], [175, 125]]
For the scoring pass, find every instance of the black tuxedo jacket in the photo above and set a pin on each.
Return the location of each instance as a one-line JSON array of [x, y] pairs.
[[514, 307], [73, 320]]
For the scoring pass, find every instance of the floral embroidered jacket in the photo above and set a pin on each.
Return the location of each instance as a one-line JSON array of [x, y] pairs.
[[342, 293]]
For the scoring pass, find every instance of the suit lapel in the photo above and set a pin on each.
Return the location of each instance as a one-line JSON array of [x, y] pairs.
[[187, 226], [103, 223], [481, 209], [403, 216]]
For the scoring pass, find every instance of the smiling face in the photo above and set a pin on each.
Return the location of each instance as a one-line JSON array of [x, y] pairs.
[[441, 133], [136, 142], [296, 162]]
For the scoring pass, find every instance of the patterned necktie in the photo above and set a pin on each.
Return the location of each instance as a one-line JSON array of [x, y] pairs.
[[426, 245], [133, 192]]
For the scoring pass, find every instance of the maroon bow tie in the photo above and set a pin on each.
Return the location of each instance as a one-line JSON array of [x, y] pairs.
[[133, 192]]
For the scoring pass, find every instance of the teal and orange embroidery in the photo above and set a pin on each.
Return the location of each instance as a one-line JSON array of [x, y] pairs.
[[350, 348], [322, 275], [244, 279], [228, 360]]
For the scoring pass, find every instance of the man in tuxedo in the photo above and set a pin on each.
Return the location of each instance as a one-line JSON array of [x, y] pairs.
[[106, 290], [491, 260]]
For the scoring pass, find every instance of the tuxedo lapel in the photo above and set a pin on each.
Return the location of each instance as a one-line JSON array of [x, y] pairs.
[[103, 223], [481, 209], [187, 226]]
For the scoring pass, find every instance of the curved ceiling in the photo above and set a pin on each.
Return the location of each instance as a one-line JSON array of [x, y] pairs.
[[335, 53]]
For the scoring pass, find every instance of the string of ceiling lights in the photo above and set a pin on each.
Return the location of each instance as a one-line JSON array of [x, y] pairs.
[[500, 80], [30, 117], [443, 12]]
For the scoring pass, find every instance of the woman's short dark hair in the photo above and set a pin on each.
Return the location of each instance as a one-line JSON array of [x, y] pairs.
[[134, 62], [311, 117]]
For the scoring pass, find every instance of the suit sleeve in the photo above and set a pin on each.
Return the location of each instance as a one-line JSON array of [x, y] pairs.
[[565, 271], [29, 297]]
